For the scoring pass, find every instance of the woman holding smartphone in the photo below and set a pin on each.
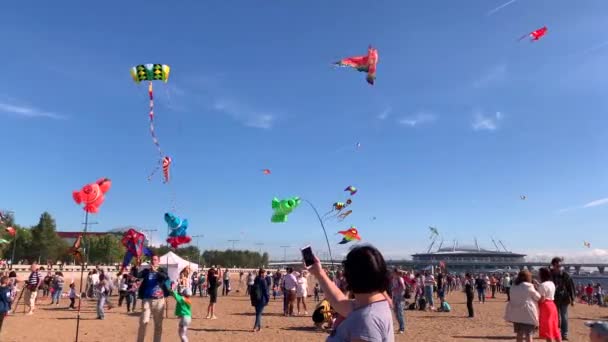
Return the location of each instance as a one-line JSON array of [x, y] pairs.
[[368, 316]]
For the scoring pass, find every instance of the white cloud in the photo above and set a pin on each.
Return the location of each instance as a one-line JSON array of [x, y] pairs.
[[493, 75], [418, 119], [596, 203], [385, 113], [482, 122], [583, 255], [27, 112], [246, 116]]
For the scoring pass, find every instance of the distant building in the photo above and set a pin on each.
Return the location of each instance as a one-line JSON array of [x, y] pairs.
[[70, 237], [466, 258]]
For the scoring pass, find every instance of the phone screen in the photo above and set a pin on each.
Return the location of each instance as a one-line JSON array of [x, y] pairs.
[[309, 258]]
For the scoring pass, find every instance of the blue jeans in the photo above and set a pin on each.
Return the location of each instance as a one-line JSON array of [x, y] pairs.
[[398, 304], [100, 303], [562, 310], [259, 308], [130, 301], [481, 295], [56, 295], [428, 294]]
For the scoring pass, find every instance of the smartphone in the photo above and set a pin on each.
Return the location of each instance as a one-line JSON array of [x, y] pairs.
[[308, 256]]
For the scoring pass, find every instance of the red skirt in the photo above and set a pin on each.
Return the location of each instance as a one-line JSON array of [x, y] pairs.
[[548, 320]]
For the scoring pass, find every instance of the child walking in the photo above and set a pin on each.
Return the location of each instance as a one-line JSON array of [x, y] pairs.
[[183, 310], [72, 296], [5, 299]]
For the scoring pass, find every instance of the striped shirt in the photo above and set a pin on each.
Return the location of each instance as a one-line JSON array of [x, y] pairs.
[[33, 279]]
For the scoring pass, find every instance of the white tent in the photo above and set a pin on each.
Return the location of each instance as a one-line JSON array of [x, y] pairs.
[[174, 264]]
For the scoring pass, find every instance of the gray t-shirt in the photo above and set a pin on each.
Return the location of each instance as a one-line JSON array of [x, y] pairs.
[[373, 322]]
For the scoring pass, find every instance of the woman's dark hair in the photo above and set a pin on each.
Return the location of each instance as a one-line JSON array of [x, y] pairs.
[[544, 274], [261, 271], [523, 277], [468, 275], [365, 270]]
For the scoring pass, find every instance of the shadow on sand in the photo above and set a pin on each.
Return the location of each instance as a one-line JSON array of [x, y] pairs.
[[486, 338]]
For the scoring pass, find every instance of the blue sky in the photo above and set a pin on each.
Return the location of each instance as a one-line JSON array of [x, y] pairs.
[[463, 119]]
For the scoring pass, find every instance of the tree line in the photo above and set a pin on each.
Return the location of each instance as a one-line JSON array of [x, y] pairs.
[[42, 244]]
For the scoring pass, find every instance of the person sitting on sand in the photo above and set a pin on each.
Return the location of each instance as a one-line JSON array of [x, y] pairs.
[[444, 306], [368, 316], [323, 315]]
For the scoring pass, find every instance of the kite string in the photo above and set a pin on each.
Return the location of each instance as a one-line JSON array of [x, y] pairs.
[[151, 115], [331, 259]]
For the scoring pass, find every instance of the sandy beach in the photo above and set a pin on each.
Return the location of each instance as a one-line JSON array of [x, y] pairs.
[[56, 323]]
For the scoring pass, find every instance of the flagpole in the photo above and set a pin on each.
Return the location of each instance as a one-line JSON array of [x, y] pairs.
[[86, 223]]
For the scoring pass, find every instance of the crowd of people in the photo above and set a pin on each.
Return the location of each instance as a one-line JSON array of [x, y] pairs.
[[356, 302]]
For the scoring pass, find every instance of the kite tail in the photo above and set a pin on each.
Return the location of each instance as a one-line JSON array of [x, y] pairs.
[[522, 37], [151, 115]]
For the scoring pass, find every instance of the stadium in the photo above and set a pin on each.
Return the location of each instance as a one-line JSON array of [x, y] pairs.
[[470, 257]]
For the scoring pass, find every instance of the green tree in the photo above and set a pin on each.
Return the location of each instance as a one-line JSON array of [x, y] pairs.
[[238, 258], [105, 249], [23, 247], [46, 244], [191, 253], [21, 241]]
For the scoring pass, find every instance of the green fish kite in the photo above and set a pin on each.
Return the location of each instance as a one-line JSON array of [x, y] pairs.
[[283, 208]]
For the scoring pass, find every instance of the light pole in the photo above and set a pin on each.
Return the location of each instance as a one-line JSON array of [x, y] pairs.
[[197, 246], [285, 252], [233, 242], [149, 233]]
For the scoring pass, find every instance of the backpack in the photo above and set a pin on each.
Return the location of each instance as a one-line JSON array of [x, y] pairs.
[[422, 304], [408, 293], [561, 292]]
